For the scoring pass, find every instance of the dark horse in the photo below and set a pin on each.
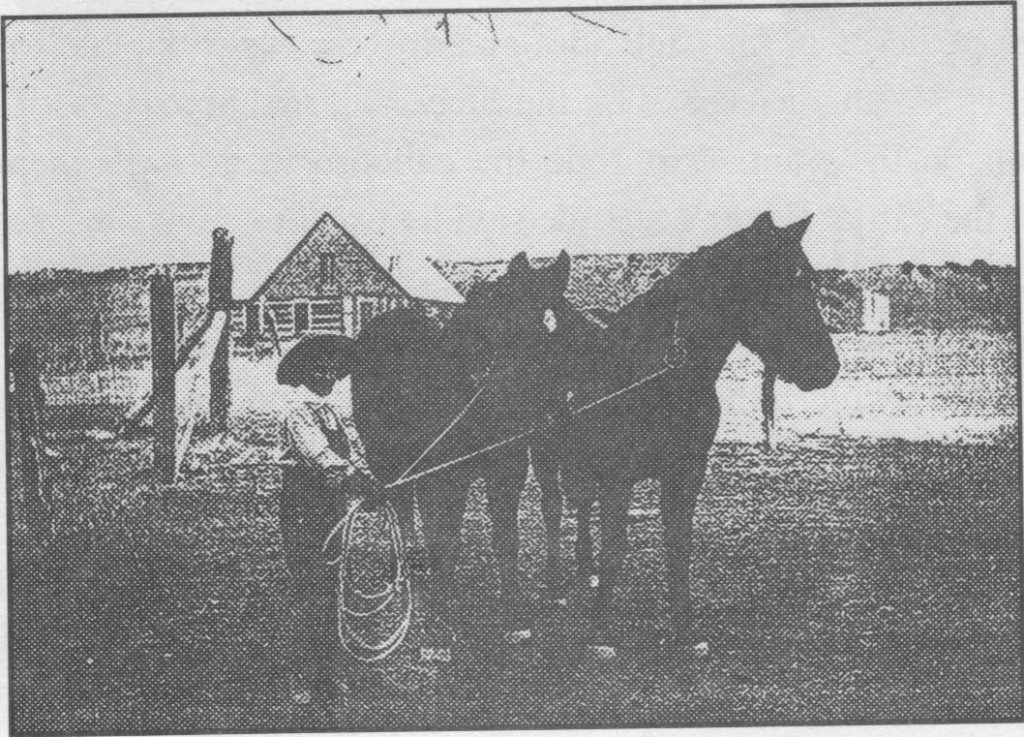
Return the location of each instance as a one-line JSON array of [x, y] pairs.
[[754, 288], [424, 395]]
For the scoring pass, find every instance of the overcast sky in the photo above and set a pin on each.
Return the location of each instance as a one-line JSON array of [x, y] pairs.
[[129, 141]]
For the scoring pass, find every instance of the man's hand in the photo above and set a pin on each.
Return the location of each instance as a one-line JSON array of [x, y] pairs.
[[338, 476]]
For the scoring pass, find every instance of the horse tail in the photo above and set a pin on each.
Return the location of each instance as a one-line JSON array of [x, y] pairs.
[[768, 406]]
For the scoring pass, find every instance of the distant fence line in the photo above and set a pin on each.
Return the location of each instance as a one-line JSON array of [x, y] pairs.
[[90, 322], [190, 383]]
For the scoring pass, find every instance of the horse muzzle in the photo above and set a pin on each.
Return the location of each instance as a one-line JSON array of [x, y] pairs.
[[814, 375]]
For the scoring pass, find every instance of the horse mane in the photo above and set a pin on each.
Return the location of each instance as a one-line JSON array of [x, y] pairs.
[[693, 282]]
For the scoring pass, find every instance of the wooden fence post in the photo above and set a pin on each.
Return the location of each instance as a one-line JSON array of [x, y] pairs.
[[220, 299], [28, 407], [164, 332]]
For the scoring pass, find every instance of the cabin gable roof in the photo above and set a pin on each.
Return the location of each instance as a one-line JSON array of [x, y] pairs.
[[299, 274]]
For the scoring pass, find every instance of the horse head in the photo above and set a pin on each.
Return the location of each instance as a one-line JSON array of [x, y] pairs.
[[526, 303], [779, 319], [518, 314], [512, 329]]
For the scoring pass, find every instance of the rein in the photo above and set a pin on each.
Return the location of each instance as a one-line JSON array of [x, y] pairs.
[[673, 359], [439, 438], [670, 365], [515, 438], [353, 643]]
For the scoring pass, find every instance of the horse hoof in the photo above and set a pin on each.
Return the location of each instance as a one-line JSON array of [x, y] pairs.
[[602, 652], [518, 637], [436, 654], [595, 581]]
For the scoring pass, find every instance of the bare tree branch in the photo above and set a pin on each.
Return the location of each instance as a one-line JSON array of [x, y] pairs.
[[290, 39], [577, 16], [494, 33], [489, 24], [443, 23], [318, 59]]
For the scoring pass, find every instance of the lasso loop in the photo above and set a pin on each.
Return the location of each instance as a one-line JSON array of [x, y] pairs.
[[352, 641]]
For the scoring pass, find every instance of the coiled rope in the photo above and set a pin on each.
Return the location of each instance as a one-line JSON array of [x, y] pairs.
[[354, 643]]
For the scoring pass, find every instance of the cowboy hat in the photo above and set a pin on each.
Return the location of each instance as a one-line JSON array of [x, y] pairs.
[[332, 355]]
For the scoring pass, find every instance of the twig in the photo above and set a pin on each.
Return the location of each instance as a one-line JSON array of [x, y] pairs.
[[494, 33], [577, 16], [489, 24], [319, 59], [290, 39], [382, 18], [443, 23]]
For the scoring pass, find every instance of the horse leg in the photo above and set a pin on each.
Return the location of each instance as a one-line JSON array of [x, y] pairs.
[[442, 502], [545, 470], [679, 492], [585, 491], [614, 544], [504, 484], [586, 572]]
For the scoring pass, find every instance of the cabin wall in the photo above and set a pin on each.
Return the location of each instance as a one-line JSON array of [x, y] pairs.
[[332, 315]]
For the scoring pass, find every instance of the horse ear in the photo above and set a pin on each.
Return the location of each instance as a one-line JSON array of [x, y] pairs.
[[764, 220], [797, 229], [519, 265], [560, 271]]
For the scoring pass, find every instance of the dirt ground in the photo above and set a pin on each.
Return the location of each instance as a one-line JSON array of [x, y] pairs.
[[836, 580]]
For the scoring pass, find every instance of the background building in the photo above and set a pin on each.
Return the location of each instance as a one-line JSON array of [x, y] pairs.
[[330, 283], [875, 318]]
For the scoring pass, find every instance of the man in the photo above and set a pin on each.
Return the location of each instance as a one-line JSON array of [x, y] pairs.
[[324, 472]]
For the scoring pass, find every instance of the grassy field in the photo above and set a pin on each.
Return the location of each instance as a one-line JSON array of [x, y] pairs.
[[836, 580]]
